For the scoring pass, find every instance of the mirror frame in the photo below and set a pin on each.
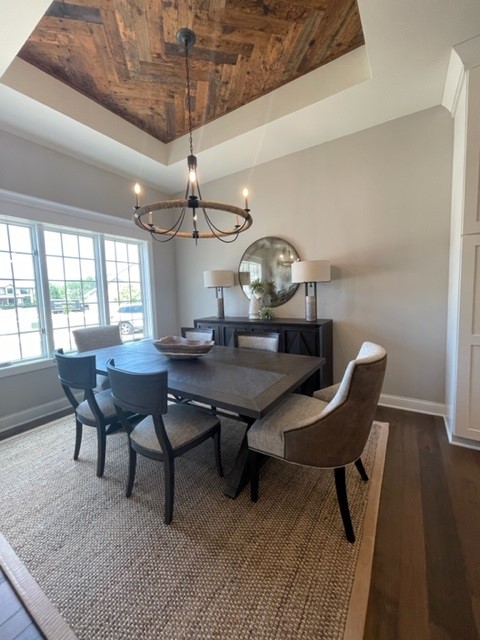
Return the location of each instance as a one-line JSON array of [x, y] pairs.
[[291, 251]]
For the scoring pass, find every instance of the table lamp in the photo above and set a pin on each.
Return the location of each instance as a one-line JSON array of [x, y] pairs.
[[218, 279], [310, 272]]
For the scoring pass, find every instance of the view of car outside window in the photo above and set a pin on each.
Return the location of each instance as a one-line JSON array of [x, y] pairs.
[[72, 299]]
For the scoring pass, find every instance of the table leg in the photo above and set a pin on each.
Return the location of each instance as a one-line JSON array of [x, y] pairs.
[[240, 474]]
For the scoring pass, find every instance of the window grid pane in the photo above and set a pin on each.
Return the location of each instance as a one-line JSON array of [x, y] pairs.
[[72, 300], [20, 331], [125, 288], [70, 290]]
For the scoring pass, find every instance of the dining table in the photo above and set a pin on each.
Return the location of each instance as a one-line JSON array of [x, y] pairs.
[[234, 382]]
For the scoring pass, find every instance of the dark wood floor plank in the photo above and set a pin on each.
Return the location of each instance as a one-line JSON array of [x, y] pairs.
[[15, 625], [431, 485], [413, 571], [10, 603], [382, 621], [447, 587]]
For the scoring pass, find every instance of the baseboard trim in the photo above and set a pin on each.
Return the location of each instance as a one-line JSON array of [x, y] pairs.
[[412, 404], [40, 412], [461, 442]]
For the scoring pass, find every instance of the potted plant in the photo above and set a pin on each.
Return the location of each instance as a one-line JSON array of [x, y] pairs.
[[266, 313]]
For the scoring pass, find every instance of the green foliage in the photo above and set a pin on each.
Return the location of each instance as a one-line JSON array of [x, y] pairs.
[[127, 293], [257, 286], [266, 313], [72, 289]]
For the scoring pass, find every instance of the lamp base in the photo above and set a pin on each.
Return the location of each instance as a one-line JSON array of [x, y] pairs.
[[310, 301], [220, 306]]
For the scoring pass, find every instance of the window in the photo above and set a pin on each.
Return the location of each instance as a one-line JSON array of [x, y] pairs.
[[20, 334], [124, 285], [77, 279]]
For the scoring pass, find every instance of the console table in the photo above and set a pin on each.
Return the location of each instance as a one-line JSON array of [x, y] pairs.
[[296, 336]]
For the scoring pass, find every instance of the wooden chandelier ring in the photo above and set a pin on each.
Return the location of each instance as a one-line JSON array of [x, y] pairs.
[[165, 205]]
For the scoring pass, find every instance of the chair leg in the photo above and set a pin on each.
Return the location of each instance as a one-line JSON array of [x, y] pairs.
[[78, 438], [218, 453], [343, 502], [361, 469], [169, 470], [101, 444], [132, 465], [254, 475]]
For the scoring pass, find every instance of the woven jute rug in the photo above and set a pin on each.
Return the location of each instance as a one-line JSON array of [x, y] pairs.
[[224, 569]]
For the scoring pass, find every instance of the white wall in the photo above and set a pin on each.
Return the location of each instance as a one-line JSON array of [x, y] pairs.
[[33, 170], [377, 204]]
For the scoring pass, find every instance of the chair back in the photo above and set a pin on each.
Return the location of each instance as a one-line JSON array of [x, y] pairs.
[[268, 341], [76, 372], [192, 333], [143, 393], [339, 436], [90, 338]]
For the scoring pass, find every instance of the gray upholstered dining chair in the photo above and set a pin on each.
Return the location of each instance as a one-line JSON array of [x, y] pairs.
[[192, 333], [166, 431], [309, 431], [268, 341], [98, 337], [96, 410]]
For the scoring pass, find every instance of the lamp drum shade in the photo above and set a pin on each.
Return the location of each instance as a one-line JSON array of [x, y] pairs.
[[311, 271], [218, 278]]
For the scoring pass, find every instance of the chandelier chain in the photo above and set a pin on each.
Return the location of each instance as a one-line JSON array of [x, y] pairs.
[[193, 200], [189, 98]]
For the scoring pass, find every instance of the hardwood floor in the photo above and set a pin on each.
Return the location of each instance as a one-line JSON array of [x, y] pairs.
[[426, 568], [15, 623]]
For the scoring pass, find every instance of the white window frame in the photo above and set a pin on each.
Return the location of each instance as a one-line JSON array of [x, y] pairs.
[[43, 215]]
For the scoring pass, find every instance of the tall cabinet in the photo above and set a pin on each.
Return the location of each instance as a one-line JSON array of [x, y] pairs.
[[463, 338]]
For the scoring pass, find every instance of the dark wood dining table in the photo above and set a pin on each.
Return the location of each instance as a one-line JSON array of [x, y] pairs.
[[247, 382]]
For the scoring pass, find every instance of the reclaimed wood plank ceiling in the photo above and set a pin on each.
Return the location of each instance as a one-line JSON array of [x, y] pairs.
[[123, 54]]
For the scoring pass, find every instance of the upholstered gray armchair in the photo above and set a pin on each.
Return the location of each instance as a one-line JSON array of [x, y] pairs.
[[313, 432]]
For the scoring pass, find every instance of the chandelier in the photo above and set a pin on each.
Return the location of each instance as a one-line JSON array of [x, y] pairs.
[[193, 202]]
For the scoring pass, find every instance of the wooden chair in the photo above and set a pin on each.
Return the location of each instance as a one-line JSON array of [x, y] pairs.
[[167, 431], [97, 409], [312, 432], [98, 337], [192, 333], [268, 341]]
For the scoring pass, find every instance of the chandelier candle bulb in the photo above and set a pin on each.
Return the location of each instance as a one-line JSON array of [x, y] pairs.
[[245, 195], [137, 190]]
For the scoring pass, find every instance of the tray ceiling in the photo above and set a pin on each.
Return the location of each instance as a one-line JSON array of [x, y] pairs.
[[123, 53]]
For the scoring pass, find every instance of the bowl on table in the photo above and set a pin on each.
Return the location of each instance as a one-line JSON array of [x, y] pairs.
[[177, 348]]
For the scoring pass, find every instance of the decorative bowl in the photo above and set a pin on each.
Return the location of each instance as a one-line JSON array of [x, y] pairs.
[[177, 348]]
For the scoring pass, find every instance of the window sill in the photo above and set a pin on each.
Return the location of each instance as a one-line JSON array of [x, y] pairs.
[[26, 367]]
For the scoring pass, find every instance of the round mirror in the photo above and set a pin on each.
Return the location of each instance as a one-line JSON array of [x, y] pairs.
[[266, 270]]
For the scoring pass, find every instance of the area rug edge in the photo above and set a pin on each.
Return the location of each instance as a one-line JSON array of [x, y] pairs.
[[357, 611], [41, 610]]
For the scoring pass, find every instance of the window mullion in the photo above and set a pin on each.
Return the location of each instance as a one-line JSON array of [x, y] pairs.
[[41, 278], [148, 295], [102, 284]]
